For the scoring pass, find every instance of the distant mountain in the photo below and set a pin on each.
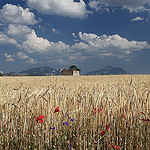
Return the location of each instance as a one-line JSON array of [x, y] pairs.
[[109, 70], [41, 71], [1, 73], [48, 71], [16, 74]]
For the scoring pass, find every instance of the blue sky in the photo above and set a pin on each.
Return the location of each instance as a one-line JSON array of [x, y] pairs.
[[88, 33]]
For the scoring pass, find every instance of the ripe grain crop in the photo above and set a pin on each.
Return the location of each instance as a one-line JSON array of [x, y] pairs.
[[76, 113]]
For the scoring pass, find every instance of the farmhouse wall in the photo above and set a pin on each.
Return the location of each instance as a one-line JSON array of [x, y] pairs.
[[75, 73], [70, 72]]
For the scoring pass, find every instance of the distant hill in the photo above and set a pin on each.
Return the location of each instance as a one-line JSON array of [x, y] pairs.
[[1, 73], [41, 71], [48, 71], [109, 70]]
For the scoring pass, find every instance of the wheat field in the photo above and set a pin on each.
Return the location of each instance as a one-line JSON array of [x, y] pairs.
[[76, 113]]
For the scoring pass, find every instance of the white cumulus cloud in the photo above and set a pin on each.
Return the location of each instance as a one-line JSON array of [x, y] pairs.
[[137, 19], [18, 32], [131, 5], [89, 45], [114, 41], [35, 43], [60, 7], [22, 55], [13, 14], [114, 45], [4, 39], [9, 57], [26, 38], [55, 31], [74, 35]]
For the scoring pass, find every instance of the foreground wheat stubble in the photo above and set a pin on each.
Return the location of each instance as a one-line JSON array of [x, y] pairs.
[[92, 102]]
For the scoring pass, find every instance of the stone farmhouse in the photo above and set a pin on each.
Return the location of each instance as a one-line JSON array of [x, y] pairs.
[[70, 72]]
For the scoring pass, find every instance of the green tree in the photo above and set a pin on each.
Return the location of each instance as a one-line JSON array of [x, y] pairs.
[[74, 67]]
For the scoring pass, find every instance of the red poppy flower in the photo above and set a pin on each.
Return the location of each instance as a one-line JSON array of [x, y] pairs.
[[107, 127], [98, 110], [115, 147], [102, 133], [39, 119], [147, 120], [57, 110], [4, 126], [122, 116]]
